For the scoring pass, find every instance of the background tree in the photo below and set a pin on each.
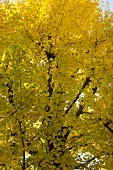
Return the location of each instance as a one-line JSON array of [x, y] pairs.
[[56, 84]]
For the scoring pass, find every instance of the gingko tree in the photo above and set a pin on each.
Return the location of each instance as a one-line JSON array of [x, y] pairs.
[[56, 79]]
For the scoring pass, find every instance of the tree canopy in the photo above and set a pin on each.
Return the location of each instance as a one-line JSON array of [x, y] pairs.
[[56, 85]]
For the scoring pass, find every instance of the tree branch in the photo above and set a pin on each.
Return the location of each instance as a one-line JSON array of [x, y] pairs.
[[84, 165], [107, 126], [87, 81], [20, 105], [23, 145], [10, 92]]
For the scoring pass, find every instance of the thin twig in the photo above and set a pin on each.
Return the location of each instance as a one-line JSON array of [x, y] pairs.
[[20, 105]]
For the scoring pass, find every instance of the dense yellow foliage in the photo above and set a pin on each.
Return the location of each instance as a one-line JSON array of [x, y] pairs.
[[56, 60]]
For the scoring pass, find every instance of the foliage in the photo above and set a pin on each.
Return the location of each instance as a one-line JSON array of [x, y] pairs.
[[56, 80]]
